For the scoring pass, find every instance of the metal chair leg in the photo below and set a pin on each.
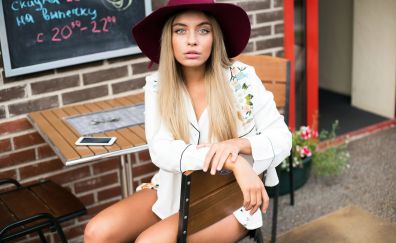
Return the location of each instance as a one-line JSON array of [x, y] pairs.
[[275, 214], [42, 237], [291, 180]]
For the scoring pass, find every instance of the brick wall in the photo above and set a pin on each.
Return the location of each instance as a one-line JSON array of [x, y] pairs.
[[24, 155]]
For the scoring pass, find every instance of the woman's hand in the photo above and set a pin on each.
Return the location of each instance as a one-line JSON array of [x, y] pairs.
[[219, 153], [254, 193]]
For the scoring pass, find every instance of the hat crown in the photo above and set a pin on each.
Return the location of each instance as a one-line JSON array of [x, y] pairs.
[[182, 2]]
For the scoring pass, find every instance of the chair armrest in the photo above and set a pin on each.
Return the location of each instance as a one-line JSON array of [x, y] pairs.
[[10, 181]]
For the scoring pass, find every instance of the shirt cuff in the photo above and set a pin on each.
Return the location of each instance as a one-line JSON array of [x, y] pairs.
[[261, 147], [271, 179], [193, 158]]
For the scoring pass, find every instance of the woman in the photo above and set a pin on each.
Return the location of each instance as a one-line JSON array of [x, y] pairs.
[[203, 112]]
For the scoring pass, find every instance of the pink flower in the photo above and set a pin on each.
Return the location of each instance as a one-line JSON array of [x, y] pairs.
[[305, 152], [305, 132]]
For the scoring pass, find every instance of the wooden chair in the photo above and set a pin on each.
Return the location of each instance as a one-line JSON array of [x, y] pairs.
[[205, 199], [33, 208]]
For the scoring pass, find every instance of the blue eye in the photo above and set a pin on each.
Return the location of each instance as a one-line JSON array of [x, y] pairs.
[[203, 31], [180, 31]]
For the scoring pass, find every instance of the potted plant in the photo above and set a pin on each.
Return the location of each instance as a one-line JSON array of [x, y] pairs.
[[307, 156]]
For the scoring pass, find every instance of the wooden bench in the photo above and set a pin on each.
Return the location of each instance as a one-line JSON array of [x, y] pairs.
[[33, 208], [205, 199]]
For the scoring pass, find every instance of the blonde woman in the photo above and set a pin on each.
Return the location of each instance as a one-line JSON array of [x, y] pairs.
[[203, 112]]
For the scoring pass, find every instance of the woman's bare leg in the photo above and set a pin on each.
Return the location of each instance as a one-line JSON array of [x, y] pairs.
[[166, 231], [123, 221]]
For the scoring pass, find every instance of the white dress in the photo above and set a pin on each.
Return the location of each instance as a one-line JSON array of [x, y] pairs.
[[261, 124]]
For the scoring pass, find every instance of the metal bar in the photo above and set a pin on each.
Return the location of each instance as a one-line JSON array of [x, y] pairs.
[[109, 154], [123, 178], [129, 175], [183, 211]]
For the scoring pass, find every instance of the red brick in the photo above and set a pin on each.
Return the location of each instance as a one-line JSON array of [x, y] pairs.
[[71, 175], [27, 140], [55, 84], [96, 209], [74, 232], [279, 29], [96, 182], [109, 193], [28, 76], [139, 68], [278, 3], [261, 31], [2, 112], [129, 85], [40, 168], [249, 48], [14, 126], [84, 94], [254, 5], [280, 53], [269, 16], [270, 43], [158, 3], [45, 152], [12, 93], [87, 200], [146, 179], [33, 105], [105, 75], [8, 174], [144, 156], [79, 67], [17, 158], [144, 169], [106, 165], [5, 145]]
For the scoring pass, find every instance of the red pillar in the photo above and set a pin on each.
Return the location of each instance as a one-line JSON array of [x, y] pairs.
[[312, 65], [288, 45]]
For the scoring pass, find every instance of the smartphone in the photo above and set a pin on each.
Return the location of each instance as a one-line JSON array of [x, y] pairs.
[[96, 141]]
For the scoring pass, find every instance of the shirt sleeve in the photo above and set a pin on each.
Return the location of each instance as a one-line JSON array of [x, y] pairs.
[[166, 152], [273, 140]]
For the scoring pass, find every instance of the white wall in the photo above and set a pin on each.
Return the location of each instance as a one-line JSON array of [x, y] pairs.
[[374, 56], [335, 45]]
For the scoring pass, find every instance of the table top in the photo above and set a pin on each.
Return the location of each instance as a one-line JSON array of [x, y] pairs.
[[61, 136]]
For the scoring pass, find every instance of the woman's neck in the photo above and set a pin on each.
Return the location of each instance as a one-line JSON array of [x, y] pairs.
[[194, 75]]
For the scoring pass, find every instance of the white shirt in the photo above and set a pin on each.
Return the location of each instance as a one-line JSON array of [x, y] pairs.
[[261, 124]]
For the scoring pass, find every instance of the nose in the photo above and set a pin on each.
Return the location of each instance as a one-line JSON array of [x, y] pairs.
[[192, 39]]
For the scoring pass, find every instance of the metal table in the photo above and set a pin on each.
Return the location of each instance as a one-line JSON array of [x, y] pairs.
[[61, 136]]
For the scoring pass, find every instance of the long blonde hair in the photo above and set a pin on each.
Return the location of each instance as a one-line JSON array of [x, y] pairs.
[[172, 88]]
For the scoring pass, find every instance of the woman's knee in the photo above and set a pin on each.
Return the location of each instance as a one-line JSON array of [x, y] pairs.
[[145, 237], [97, 230]]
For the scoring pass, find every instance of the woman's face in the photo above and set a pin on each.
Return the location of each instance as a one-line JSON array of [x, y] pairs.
[[192, 38]]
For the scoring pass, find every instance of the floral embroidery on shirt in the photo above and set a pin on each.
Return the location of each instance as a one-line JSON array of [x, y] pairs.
[[243, 93]]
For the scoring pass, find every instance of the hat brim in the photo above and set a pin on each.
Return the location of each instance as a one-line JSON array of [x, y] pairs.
[[232, 19]]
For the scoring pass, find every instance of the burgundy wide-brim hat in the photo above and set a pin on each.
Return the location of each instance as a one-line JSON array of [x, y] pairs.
[[232, 19]]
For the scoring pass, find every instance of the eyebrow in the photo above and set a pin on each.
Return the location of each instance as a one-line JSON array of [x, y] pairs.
[[182, 24]]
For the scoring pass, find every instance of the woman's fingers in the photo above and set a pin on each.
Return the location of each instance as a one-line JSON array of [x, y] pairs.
[[208, 158], [253, 199], [246, 198], [258, 202], [216, 160], [265, 200]]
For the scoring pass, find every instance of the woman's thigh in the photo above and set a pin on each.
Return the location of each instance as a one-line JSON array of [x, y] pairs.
[[225, 230], [123, 221]]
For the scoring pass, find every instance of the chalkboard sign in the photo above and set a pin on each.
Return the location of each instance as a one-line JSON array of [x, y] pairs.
[[39, 35]]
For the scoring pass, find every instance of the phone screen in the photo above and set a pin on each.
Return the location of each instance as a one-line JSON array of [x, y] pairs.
[[95, 140]]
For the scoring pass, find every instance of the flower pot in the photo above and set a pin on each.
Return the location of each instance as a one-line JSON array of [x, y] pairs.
[[300, 177]]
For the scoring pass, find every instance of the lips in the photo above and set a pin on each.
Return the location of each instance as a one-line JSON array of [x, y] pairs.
[[192, 55]]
